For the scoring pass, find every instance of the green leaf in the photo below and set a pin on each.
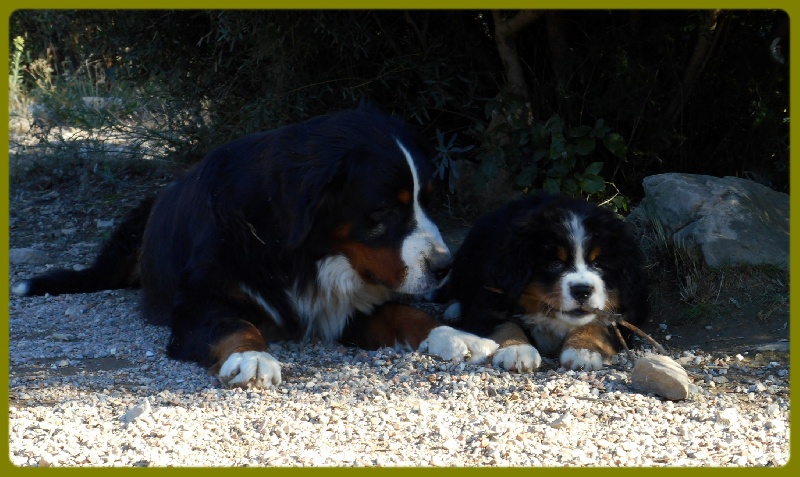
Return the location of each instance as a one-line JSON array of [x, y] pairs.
[[488, 167], [584, 145], [559, 169], [527, 175], [591, 184], [615, 144], [452, 140], [440, 170], [538, 132], [620, 203], [594, 168], [581, 131], [556, 148], [540, 154], [600, 129], [551, 186], [554, 124], [524, 137], [569, 186]]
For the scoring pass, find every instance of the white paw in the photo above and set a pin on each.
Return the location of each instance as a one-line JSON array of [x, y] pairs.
[[456, 345], [250, 368], [22, 288], [588, 360], [521, 358]]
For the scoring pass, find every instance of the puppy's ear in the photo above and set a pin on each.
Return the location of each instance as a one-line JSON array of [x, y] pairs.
[[515, 261]]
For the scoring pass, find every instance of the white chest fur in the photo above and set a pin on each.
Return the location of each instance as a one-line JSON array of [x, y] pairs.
[[340, 292]]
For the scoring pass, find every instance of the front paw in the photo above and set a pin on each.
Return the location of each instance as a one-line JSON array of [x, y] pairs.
[[521, 358], [585, 359], [455, 345], [257, 369]]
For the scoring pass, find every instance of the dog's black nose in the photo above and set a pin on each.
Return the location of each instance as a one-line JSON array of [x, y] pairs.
[[581, 291], [439, 266]]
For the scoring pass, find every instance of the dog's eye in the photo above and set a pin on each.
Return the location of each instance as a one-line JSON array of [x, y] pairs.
[[380, 214], [555, 266], [597, 264]]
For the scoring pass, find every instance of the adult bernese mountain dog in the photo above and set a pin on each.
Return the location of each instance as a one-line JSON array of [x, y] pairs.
[[530, 274], [309, 231]]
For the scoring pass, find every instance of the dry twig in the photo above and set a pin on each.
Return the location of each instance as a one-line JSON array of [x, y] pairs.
[[614, 319]]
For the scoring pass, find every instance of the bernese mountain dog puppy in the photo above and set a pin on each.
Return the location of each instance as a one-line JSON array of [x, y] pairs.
[[309, 231], [530, 274]]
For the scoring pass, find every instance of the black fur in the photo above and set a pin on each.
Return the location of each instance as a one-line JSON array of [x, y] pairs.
[[259, 212], [514, 247]]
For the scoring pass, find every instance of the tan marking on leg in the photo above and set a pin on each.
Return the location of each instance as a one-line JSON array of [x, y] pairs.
[[403, 324], [509, 334], [248, 339]]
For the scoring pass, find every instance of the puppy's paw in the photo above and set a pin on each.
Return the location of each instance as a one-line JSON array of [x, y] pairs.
[[455, 345], [585, 359], [522, 358], [250, 369]]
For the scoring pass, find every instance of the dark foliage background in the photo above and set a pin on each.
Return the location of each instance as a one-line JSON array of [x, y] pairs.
[[609, 97]]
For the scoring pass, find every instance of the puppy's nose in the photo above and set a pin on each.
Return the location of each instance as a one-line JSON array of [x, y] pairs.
[[581, 291]]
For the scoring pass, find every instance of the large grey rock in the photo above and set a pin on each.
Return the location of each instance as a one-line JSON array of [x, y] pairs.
[[660, 375], [731, 220]]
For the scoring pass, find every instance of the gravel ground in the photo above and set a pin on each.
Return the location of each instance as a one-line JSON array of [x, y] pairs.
[[90, 385]]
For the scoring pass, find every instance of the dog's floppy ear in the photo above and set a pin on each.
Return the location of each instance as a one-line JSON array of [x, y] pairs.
[[310, 183]]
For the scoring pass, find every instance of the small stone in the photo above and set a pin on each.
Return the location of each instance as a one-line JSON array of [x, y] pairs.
[[660, 375], [563, 421], [136, 412], [62, 337], [29, 256], [728, 417]]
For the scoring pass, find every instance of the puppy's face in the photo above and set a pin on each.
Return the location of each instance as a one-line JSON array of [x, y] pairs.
[[385, 231], [575, 265]]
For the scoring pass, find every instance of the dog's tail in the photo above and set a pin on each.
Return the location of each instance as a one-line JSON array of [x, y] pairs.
[[117, 265]]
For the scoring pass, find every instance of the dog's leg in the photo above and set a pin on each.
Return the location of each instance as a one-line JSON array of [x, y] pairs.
[[587, 347], [396, 324], [216, 334], [516, 353]]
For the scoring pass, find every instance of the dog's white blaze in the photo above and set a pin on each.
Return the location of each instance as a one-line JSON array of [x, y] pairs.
[[581, 274], [339, 293], [548, 334], [269, 309], [421, 243]]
